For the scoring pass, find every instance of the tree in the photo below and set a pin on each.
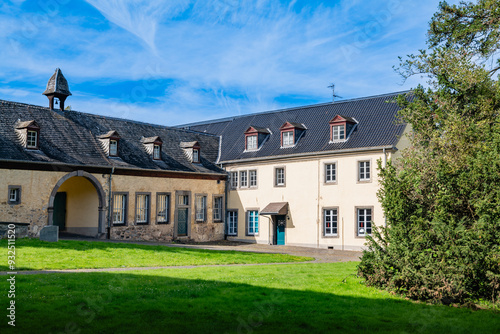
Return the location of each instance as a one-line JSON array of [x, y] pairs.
[[442, 198]]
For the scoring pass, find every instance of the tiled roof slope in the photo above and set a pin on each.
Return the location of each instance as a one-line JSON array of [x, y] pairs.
[[377, 126], [71, 137]]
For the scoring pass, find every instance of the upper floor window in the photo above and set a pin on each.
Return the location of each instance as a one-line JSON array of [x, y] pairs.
[[253, 178], [243, 179], [109, 142], [338, 132], [191, 151], [152, 145], [196, 155], [331, 173], [288, 138], [279, 177], [364, 171], [252, 142], [234, 180], [255, 136], [341, 127], [157, 152], [113, 148], [29, 133]]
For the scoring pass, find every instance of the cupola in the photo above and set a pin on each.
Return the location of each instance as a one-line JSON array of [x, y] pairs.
[[57, 90]]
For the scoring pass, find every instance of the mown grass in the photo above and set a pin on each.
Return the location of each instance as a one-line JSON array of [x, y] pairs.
[[33, 254], [295, 298]]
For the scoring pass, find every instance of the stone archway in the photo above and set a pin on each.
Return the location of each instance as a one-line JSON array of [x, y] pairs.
[[100, 194]]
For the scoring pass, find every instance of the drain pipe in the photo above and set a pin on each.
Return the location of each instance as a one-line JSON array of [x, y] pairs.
[[108, 236], [385, 165]]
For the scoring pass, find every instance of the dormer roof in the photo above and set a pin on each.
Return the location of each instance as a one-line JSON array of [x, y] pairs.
[[190, 144], [27, 124], [340, 118], [151, 140], [291, 125], [109, 134], [257, 129], [57, 84]]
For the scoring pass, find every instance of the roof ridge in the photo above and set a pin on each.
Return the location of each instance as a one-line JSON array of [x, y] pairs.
[[232, 118], [22, 104]]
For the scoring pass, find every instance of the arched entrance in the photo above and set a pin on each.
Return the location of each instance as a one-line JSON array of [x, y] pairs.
[[77, 205]]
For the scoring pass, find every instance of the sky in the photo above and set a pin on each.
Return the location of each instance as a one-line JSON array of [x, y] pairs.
[[181, 61]]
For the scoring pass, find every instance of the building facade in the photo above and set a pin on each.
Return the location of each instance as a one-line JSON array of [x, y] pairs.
[[308, 176], [105, 177]]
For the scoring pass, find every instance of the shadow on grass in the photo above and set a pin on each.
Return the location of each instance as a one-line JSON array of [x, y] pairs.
[[163, 301]]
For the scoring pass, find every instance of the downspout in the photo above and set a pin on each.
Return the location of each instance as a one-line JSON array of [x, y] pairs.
[[226, 194], [318, 217], [385, 165], [108, 236]]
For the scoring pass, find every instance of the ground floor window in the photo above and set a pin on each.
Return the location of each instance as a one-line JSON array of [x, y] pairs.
[[217, 210], [142, 209], [163, 208], [14, 194], [119, 209], [232, 222], [201, 208], [364, 222], [330, 221], [253, 222]]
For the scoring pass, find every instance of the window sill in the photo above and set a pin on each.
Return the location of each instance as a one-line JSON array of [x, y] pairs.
[[141, 223], [330, 236], [162, 223], [330, 183], [119, 224]]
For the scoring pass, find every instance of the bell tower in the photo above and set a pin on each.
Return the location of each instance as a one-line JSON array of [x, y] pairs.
[[57, 90]]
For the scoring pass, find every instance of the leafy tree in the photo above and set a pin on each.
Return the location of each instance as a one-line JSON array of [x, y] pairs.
[[442, 198]]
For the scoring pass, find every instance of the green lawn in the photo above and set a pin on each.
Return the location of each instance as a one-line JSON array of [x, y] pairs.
[[33, 254], [292, 298]]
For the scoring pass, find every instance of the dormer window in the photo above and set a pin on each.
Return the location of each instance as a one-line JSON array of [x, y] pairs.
[[29, 134], [157, 152], [192, 151], [252, 142], [32, 139], [291, 133], [196, 155], [341, 127], [110, 142], [152, 145], [255, 137], [113, 148]]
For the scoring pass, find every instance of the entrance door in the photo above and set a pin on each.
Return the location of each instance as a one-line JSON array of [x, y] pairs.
[[59, 215], [279, 232], [182, 222]]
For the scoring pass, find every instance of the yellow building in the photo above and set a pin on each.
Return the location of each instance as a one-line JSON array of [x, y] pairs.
[[307, 176], [105, 177]]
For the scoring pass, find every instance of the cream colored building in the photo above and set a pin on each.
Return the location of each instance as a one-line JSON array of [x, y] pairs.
[[307, 176]]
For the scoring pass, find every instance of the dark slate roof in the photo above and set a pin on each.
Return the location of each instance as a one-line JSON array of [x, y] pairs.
[[377, 126], [72, 138], [57, 84]]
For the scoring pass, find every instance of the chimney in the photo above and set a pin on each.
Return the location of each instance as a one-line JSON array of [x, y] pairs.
[[57, 88]]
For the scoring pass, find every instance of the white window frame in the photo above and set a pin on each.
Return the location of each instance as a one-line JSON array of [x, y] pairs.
[[183, 200], [196, 155], [142, 205], [331, 172], [243, 179], [113, 147], [364, 170], [156, 152], [252, 179], [338, 132], [232, 222], [288, 138], [330, 215], [234, 180], [252, 143], [364, 218], [163, 208], [119, 215], [31, 139], [218, 209], [13, 194], [280, 178], [252, 222], [200, 208]]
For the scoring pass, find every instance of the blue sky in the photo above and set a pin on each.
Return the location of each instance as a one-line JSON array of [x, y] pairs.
[[180, 61]]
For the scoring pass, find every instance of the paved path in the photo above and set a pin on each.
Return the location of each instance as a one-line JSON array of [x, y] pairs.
[[320, 255]]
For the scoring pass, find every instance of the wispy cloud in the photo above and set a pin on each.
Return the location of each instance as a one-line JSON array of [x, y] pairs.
[[191, 59]]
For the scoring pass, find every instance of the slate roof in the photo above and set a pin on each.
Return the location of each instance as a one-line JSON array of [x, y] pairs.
[[377, 126], [72, 138]]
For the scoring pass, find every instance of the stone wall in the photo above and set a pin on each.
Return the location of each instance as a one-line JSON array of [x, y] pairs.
[[21, 230]]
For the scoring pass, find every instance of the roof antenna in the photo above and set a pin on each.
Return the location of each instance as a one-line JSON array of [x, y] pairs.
[[332, 86]]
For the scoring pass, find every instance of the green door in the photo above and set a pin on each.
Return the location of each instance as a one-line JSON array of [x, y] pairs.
[[280, 230], [182, 222], [59, 215]]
